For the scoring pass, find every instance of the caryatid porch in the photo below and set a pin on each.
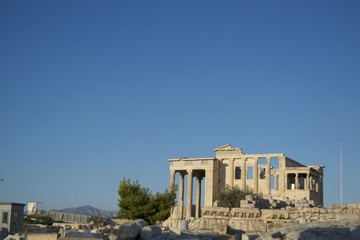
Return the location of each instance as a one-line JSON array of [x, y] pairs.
[[200, 168]]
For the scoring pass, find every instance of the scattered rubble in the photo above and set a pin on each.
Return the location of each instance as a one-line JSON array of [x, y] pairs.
[[131, 230], [257, 218]]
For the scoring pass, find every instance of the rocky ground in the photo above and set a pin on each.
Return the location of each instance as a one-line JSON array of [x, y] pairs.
[[328, 230], [331, 230]]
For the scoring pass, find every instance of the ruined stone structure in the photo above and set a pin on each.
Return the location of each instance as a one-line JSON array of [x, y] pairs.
[[220, 220], [273, 175]]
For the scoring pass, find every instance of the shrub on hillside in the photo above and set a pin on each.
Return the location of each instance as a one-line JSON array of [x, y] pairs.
[[136, 202], [38, 219], [231, 196]]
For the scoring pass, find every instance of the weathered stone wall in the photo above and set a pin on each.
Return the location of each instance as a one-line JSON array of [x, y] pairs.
[[221, 220]]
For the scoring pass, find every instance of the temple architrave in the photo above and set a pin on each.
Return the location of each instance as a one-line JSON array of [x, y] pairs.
[[273, 175]]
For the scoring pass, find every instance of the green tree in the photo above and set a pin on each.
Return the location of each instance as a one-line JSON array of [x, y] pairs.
[[38, 219], [161, 204], [137, 202], [231, 196], [97, 220], [133, 199]]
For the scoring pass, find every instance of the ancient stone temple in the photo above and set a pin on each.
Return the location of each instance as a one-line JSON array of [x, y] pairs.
[[273, 175]]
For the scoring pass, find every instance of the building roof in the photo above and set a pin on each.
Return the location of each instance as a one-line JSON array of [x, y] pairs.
[[12, 203]]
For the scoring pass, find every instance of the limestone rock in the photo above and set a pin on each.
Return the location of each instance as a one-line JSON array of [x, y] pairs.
[[316, 230], [131, 230], [355, 233], [149, 232], [112, 237], [15, 237], [325, 233], [78, 234]]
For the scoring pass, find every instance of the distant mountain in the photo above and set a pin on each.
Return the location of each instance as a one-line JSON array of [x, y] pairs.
[[89, 211]]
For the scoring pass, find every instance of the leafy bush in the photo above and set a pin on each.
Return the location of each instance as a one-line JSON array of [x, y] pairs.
[[231, 196], [38, 219], [136, 202], [97, 220]]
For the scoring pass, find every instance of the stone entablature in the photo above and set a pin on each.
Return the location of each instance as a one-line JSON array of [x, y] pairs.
[[273, 174]]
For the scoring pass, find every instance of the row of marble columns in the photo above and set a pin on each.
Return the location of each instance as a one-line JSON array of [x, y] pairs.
[[311, 182], [189, 193], [255, 175]]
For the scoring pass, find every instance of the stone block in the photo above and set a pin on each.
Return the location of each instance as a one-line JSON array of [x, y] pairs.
[[329, 216], [269, 235], [275, 226], [338, 210], [247, 205], [131, 230], [325, 233], [307, 210], [250, 236], [332, 206], [215, 212], [315, 210], [330, 210], [247, 225], [149, 232], [249, 197], [347, 216], [343, 206], [352, 206], [323, 210], [294, 216], [21, 237], [245, 213], [274, 214]]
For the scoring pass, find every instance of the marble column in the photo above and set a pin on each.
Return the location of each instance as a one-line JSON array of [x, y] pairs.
[[172, 178], [268, 176], [198, 197], [307, 187], [283, 181], [189, 194], [181, 188], [243, 173], [296, 181], [209, 188], [231, 183], [256, 175]]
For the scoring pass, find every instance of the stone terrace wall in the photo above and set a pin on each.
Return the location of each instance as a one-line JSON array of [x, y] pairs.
[[223, 220]]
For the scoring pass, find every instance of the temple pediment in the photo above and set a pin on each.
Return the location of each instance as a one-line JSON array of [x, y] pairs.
[[226, 147]]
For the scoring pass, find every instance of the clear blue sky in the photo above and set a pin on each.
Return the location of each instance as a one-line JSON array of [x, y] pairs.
[[92, 92]]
